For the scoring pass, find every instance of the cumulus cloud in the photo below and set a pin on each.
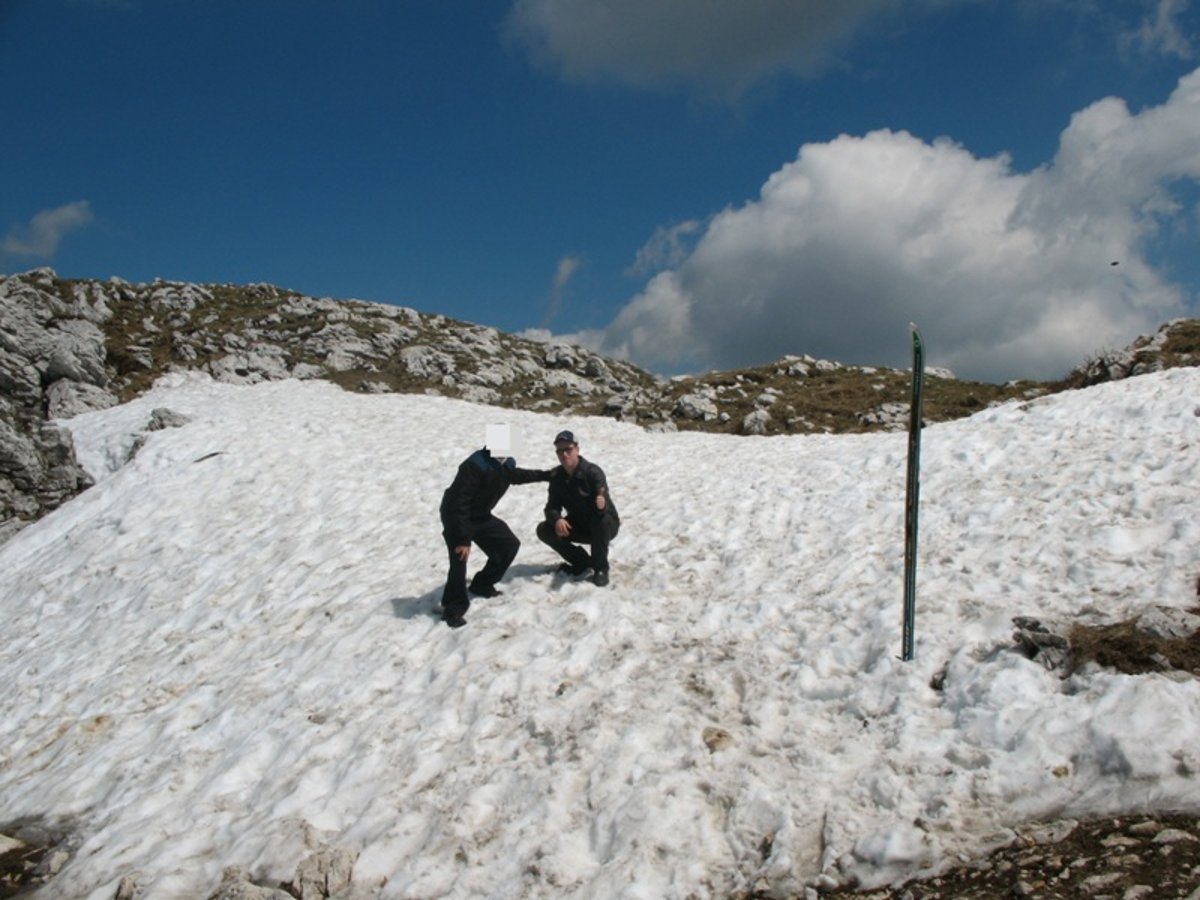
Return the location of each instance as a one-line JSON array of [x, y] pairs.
[[40, 238], [721, 46], [1008, 274]]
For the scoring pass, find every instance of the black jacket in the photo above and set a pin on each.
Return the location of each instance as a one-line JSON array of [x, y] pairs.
[[480, 483], [576, 493]]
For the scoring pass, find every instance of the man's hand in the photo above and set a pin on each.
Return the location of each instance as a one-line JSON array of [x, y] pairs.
[[562, 528], [462, 551], [600, 501]]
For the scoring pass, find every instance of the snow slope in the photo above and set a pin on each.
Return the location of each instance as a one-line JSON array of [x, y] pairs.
[[231, 640]]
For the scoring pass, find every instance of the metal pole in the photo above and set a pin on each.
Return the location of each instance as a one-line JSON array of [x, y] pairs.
[[912, 494]]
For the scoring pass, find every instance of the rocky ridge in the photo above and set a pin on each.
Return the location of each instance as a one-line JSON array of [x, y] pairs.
[[69, 346]]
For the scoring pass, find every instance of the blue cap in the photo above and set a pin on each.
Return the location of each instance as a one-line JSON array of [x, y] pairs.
[[565, 437]]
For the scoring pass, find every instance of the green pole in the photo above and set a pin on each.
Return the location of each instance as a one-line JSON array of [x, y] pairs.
[[912, 494]]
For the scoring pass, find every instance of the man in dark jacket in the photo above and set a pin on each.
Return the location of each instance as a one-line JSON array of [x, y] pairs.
[[467, 518], [579, 510]]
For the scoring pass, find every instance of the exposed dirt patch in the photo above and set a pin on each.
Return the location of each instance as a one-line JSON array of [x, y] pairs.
[[1123, 859], [1127, 649]]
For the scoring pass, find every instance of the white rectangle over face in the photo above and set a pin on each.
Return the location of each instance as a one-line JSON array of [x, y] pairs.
[[503, 440]]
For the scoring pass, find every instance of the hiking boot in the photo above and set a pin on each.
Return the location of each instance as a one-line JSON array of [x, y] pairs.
[[485, 590], [573, 569], [600, 578], [454, 620]]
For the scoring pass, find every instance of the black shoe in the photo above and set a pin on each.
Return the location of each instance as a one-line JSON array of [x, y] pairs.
[[573, 570], [600, 578], [454, 620], [490, 591]]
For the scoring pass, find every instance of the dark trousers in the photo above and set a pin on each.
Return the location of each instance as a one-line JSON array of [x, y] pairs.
[[500, 545], [594, 530]]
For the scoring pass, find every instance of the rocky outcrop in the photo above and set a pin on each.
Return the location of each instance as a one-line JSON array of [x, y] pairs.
[[1177, 343], [261, 333], [52, 363], [325, 874], [1160, 639]]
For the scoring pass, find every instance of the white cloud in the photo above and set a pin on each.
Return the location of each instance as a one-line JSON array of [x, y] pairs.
[[1160, 33], [656, 328], [566, 268], [41, 237], [1008, 274], [563, 273], [721, 46], [668, 246]]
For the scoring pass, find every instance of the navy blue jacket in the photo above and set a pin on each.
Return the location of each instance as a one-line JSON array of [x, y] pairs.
[[480, 483]]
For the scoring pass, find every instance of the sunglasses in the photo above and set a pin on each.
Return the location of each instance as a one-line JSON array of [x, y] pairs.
[[565, 451]]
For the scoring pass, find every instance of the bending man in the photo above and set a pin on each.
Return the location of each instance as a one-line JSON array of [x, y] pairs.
[[467, 518]]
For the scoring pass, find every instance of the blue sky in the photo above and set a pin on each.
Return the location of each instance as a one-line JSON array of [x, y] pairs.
[[690, 184]]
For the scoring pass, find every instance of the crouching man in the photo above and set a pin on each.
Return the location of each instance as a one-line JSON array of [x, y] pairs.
[[580, 510]]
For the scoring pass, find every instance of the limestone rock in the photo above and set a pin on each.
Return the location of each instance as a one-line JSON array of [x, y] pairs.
[[756, 422], [161, 417], [260, 364], [66, 398], [73, 349], [696, 406], [324, 873], [1042, 642], [890, 416], [18, 376], [426, 362], [1167, 622], [236, 885], [19, 459]]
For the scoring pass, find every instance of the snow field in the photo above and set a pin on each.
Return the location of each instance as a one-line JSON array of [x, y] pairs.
[[230, 642]]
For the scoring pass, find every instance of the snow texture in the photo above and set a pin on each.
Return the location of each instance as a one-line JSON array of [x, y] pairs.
[[231, 640]]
